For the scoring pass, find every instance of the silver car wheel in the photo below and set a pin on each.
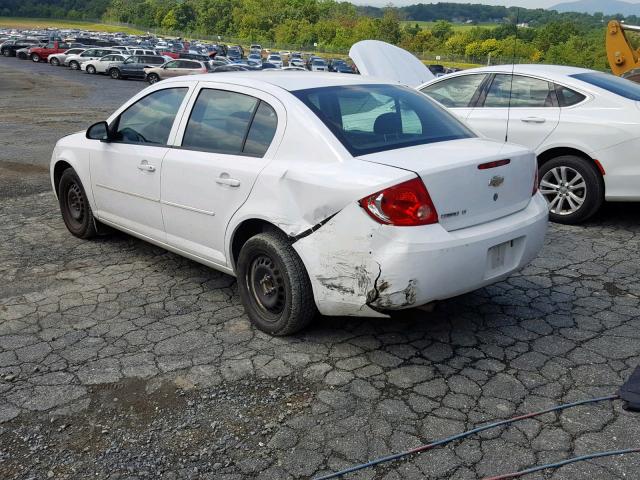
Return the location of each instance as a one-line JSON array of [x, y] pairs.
[[564, 189]]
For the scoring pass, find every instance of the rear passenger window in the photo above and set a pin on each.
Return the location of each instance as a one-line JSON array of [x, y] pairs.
[[262, 130], [519, 92], [219, 121], [568, 97]]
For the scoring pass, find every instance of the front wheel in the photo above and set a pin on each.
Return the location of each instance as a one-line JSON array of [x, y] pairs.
[[74, 65], [114, 73], [274, 286], [91, 69], [35, 57], [573, 188], [6, 52], [55, 62], [152, 78], [74, 206]]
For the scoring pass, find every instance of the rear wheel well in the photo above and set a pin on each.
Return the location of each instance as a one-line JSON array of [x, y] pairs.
[[560, 151], [60, 167], [246, 230]]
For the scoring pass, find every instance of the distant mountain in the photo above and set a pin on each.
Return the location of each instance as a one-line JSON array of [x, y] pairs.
[[608, 7]]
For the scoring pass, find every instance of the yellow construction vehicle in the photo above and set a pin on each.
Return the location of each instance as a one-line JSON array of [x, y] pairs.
[[624, 60]]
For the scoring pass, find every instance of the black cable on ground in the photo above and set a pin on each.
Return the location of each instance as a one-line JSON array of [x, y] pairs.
[[562, 463], [468, 433]]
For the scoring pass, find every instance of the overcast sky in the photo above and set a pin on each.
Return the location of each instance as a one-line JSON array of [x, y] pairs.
[[508, 3]]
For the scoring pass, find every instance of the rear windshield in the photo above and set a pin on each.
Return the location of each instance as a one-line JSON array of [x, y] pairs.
[[620, 86], [375, 118]]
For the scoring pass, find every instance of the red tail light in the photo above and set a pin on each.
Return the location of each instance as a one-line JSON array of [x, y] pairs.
[[405, 205], [535, 181]]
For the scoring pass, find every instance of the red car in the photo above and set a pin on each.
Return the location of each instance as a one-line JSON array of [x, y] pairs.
[[41, 53], [169, 53]]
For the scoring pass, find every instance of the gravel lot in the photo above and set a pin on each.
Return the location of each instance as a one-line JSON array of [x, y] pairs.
[[121, 360]]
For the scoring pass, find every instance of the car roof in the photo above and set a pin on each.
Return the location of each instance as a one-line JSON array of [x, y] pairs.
[[531, 69], [285, 80]]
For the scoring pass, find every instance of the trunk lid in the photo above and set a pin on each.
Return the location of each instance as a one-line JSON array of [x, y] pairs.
[[463, 194], [388, 62]]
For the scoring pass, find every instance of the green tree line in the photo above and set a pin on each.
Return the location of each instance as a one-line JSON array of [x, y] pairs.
[[575, 39]]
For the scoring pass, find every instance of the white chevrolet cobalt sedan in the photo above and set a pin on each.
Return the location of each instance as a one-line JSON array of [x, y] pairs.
[[583, 125], [321, 193]]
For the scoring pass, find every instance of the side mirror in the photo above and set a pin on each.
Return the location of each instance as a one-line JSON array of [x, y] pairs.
[[99, 131]]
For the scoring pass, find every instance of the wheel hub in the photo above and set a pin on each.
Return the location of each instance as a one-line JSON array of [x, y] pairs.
[[74, 202], [267, 285]]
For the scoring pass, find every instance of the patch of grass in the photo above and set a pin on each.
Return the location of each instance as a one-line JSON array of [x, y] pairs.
[[456, 26], [35, 23]]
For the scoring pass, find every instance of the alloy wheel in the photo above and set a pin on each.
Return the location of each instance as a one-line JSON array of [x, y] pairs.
[[564, 189]]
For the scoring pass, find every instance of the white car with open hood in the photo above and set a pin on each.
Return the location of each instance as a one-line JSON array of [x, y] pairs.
[[583, 125], [322, 193]]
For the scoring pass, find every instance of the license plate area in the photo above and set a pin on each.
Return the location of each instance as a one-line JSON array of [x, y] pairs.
[[504, 257]]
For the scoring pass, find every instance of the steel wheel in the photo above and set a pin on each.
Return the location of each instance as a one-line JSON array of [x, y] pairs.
[[564, 189], [75, 202], [266, 284], [74, 206]]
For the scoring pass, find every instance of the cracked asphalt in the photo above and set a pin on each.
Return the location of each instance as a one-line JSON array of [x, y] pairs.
[[121, 360]]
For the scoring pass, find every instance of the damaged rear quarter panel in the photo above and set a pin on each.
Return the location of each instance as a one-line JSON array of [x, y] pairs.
[[347, 274]]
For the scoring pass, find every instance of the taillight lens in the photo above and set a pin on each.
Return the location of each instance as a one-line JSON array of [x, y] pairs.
[[535, 181], [405, 205]]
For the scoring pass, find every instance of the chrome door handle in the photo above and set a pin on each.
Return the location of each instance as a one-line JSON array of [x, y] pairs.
[[145, 167], [534, 120], [232, 182]]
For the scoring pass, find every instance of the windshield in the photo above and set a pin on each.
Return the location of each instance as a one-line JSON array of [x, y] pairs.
[[620, 86], [374, 118]]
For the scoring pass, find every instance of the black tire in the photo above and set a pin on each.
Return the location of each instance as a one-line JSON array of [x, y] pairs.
[[91, 69], [74, 206], [73, 65], [115, 74], [55, 62], [6, 52], [153, 78], [274, 285], [35, 57], [592, 194]]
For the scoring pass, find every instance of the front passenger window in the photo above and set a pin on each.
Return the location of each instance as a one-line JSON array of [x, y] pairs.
[[149, 120], [455, 92]]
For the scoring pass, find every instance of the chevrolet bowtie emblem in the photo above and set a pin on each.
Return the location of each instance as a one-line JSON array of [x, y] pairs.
[[496, 181]]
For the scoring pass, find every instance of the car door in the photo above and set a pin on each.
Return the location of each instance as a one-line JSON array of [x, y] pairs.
[[128, 67], [188, 67], [518, 108], [126, 172], [459, 94], [225, 139], [103, 64], [171, 69]]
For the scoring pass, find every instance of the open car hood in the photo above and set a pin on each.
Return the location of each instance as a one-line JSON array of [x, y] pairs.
[[383, 60]]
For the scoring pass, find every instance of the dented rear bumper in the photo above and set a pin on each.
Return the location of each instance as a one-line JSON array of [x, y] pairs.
[[360, 268]]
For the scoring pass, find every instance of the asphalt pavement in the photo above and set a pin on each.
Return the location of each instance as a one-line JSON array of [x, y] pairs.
[[121, 360]]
